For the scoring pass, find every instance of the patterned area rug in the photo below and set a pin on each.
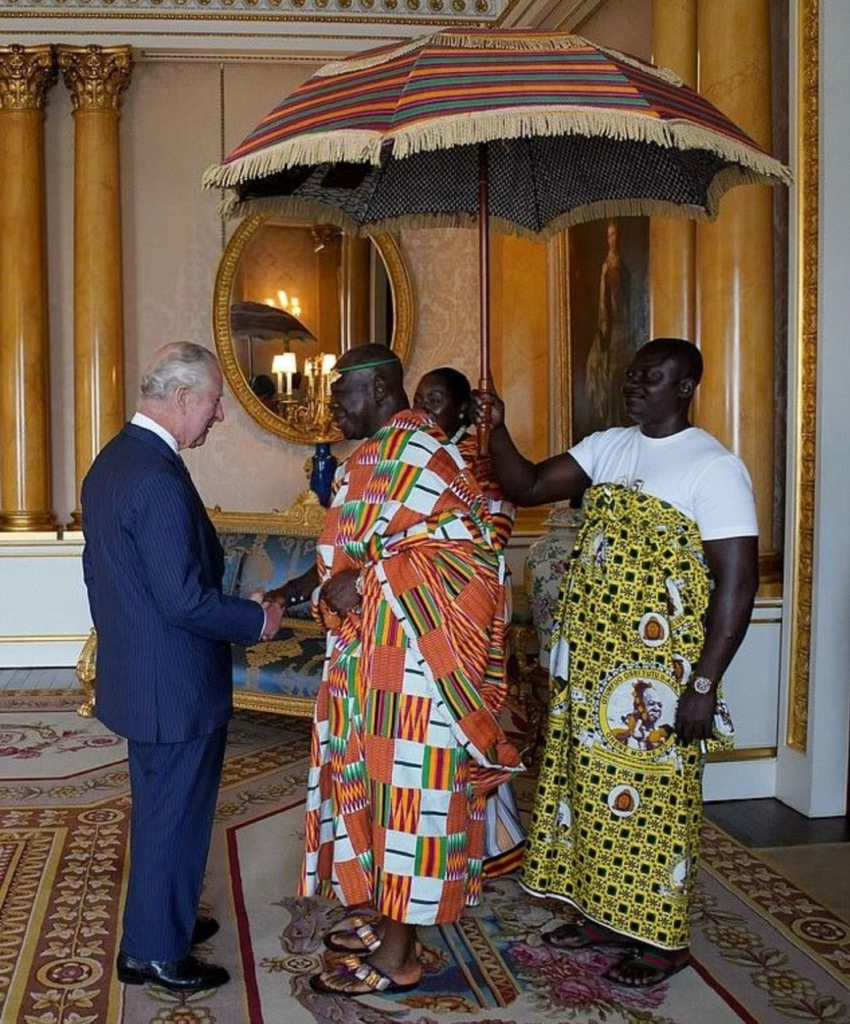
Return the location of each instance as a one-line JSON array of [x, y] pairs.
[[764, 951]]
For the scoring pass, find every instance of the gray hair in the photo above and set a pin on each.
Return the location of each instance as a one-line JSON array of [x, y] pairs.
[[180, 364]]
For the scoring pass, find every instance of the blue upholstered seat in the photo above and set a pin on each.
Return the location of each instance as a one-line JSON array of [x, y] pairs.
[[284, 674]]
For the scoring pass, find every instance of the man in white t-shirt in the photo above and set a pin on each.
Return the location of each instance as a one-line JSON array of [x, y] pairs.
[[656, 600]]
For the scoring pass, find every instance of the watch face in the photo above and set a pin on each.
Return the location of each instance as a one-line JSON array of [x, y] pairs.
[[701, 684]]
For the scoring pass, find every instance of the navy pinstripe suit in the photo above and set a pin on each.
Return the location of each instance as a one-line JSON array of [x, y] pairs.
[[153, 567]]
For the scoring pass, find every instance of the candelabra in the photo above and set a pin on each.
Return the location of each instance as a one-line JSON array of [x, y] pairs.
[[309, 409]]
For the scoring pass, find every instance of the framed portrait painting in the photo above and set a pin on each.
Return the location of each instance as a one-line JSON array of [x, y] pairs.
[[606, 307]]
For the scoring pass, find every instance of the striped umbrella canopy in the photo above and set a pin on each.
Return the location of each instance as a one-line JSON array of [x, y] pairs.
[[528, 131], [572, 131]]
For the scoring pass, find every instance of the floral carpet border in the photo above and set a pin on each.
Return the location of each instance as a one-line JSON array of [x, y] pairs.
[[810, 926]]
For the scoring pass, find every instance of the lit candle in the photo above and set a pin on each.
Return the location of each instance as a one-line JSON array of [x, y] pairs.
[[282, 300], [289, 367], [328, 364], [278, 368]]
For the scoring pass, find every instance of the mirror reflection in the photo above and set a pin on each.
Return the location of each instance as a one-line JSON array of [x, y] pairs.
[[291, 296]]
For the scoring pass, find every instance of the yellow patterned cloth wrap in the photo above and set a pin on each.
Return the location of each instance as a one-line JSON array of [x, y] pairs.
[[617, 816]]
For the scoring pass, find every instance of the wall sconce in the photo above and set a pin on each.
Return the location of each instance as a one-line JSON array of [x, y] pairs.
[[283, 301]]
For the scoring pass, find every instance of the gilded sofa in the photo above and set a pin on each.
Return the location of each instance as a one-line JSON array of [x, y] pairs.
[[262, 551]]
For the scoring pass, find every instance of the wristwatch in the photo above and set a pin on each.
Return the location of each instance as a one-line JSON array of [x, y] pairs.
[[702, 684]]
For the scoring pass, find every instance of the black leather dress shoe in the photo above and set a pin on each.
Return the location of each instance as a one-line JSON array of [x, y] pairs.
[[186, 975], [205, 928]]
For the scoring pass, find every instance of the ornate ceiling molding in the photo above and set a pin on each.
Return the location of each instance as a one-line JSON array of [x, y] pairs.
[[274, 29], [403, 11]]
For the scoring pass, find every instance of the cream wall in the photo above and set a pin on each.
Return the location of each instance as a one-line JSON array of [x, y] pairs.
[[171, 131]]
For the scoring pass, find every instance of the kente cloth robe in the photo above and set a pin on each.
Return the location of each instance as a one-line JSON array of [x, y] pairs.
[[406, 741]]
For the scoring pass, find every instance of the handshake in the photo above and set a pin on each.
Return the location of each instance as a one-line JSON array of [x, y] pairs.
[[275, 602], [340, 595], [273, 612]]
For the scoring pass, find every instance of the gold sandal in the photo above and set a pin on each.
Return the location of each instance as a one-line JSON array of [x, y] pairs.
[[372, 979], [360, 930]]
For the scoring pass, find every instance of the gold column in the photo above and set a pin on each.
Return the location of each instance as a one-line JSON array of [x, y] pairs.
[[735, 259], [96, 78], [26, 74], [672, 242]]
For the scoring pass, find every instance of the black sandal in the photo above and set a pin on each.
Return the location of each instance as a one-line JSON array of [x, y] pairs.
[[582, 933], [651, 967]]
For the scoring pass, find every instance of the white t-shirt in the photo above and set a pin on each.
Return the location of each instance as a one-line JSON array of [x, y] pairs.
[[690, 470]]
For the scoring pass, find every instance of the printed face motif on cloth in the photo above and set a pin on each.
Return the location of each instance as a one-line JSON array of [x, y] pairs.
[[638, 710]]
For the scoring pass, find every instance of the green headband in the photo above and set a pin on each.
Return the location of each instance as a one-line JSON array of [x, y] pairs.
[[365, 366]]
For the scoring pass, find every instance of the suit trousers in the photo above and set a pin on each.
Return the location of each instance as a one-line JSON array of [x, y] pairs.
[[174, 788]]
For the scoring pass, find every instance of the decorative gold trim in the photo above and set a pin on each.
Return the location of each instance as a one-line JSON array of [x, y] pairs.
[[742, 754], [26, 75], [37, 554], [87, 674], [202, 16], [564, 398], [41, 521], [402, 339], [46, 638], [95, 76], [305, 517], [808, 157], [277, 705]]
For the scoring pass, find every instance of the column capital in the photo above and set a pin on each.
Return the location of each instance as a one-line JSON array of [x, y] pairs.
[[26, 75], [95, 76]]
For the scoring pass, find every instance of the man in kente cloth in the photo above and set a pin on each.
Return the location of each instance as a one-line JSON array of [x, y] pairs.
[[406, 743]]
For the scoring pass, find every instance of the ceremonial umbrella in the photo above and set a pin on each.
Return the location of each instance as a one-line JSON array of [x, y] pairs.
[[526, 131]]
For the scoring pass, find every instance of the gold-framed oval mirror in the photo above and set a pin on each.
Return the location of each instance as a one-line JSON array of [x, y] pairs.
[[290, 297]]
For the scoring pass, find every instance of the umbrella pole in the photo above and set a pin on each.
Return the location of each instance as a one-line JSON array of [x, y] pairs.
[[485, 384]]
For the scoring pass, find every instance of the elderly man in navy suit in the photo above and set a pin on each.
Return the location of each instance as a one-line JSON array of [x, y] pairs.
[[153, 568]]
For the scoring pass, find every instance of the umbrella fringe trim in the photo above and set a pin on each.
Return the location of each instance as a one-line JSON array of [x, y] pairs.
[[342, 67], [365, 147], [357, 147], [531, 41], [289, 206], [526, 123]]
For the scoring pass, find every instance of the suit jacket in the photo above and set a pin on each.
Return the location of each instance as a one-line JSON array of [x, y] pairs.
[[153, 567]]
